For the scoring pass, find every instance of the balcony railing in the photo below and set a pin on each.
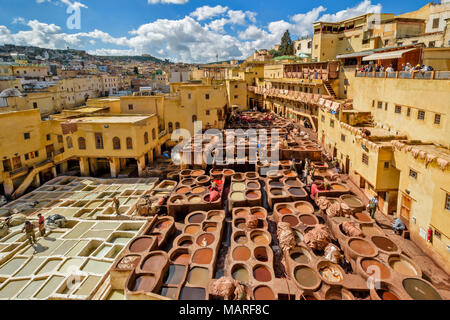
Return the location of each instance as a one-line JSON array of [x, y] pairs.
[[423, 75]]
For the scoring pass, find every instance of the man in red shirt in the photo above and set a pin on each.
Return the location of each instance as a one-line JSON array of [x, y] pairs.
[[41, 224]]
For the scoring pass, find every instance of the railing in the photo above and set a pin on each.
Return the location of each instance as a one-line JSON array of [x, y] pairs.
[[422, 75]]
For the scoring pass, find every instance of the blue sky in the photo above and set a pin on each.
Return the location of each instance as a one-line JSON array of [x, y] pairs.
[[182, 30]]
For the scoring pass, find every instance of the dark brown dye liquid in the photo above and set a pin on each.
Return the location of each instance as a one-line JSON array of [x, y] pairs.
[[292, 220], [144, 283], [308, 220], [262, 274], [141, 244], [154, 263], [275, 184], [188, 293], [181, 258], [186, 243], [297, 191], [384, 244], [386, 295], [261, 254], [196, 218], [175, 274], [205, 240]]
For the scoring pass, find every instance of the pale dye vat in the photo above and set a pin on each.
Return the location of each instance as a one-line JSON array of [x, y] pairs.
[[50, 287], [418, 289], [10, 288], [32, 287], [306, 277], [300, 255], [240, 273], [88, 286], [96, 266], [198, 277], [403, 266], [116, 295]]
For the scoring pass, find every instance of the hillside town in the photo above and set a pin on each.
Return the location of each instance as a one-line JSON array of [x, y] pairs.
[[290, 175]]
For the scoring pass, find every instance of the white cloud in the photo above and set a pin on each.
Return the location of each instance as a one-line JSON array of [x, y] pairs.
[[168, 1], [207, 12], [194, 38]]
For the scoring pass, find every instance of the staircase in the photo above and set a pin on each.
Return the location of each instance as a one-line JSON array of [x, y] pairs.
[[29, 179], [329, 89]]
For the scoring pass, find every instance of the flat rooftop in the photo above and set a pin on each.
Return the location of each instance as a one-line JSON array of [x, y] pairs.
[[113, 119]]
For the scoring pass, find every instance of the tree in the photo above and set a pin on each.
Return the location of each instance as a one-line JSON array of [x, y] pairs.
[[286, 46], [136, 70]]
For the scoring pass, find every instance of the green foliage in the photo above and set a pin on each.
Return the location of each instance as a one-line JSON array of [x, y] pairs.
[[286, 46]]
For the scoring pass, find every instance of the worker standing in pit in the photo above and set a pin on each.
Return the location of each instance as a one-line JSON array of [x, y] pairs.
[[29, 231], [116, 204]]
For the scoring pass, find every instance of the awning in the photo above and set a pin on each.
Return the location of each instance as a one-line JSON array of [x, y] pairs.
[[354, 54], [387, 55]]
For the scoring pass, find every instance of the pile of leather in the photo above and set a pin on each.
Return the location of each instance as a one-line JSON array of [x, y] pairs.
[[323, 203], [333, 253], [251, 222], [286, 237], [351, 229], [338, 209], [228, 289], [318, 237]]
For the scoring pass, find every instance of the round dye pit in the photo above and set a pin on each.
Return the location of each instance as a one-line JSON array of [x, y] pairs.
[[181, 258], [253, 185], [307, 219], [361, 216], [252, 195], [176, 200], [284, 210], [306, 277], [183, 190], [237, 196], [384, 244], [264, 293], [251, 175], [300, 255], [238, 186], [198, 277], [192, 229], [277, 192], [241, 213], [215, 216], [154, 263], [292, 183], [386, 295], [241, 254], [239, 223], [331, 273], [261, 254], [371, 266], [418, 289], [337, 187], [187, 182], [403, 266], [238, 177], [338, 294], [210, 227], [185, 243], [195, 199], [228, 172], [275, 183], [240, 238], [205, 240], [292, 220], [361, 247], [352, 201], [198, 190], [259, 214], [240, 273], [304, 207], [197, 173], [290, 173], [298, 192], [196, 218], [141, 244], [262, 274], [260, 238], [202, 256]]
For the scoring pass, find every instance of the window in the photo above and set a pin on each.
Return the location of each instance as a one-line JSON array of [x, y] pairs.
[[385, 106], [431, 44], [48, 137], [130, 107], [26, 136], [386, 42], [194, 118], [373, 103], [332, 123], [236, 97], [207, 96], [170, 127], [413, 174], [235, 86], [342, 138], [207, 112], [398, 109], [98, 140], [437, 119], [60, 138], [35, 105], [81, 143], [69, 142], [36, 154], [386, 165], [27, 157], [154, 134], [421, 115], [322, 118], [146, 138], [435, 23], [447, 202], [116, 143], [177, 125], [365, 159], [408, 112], [129, 143], [189, 96], [380, 105]]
